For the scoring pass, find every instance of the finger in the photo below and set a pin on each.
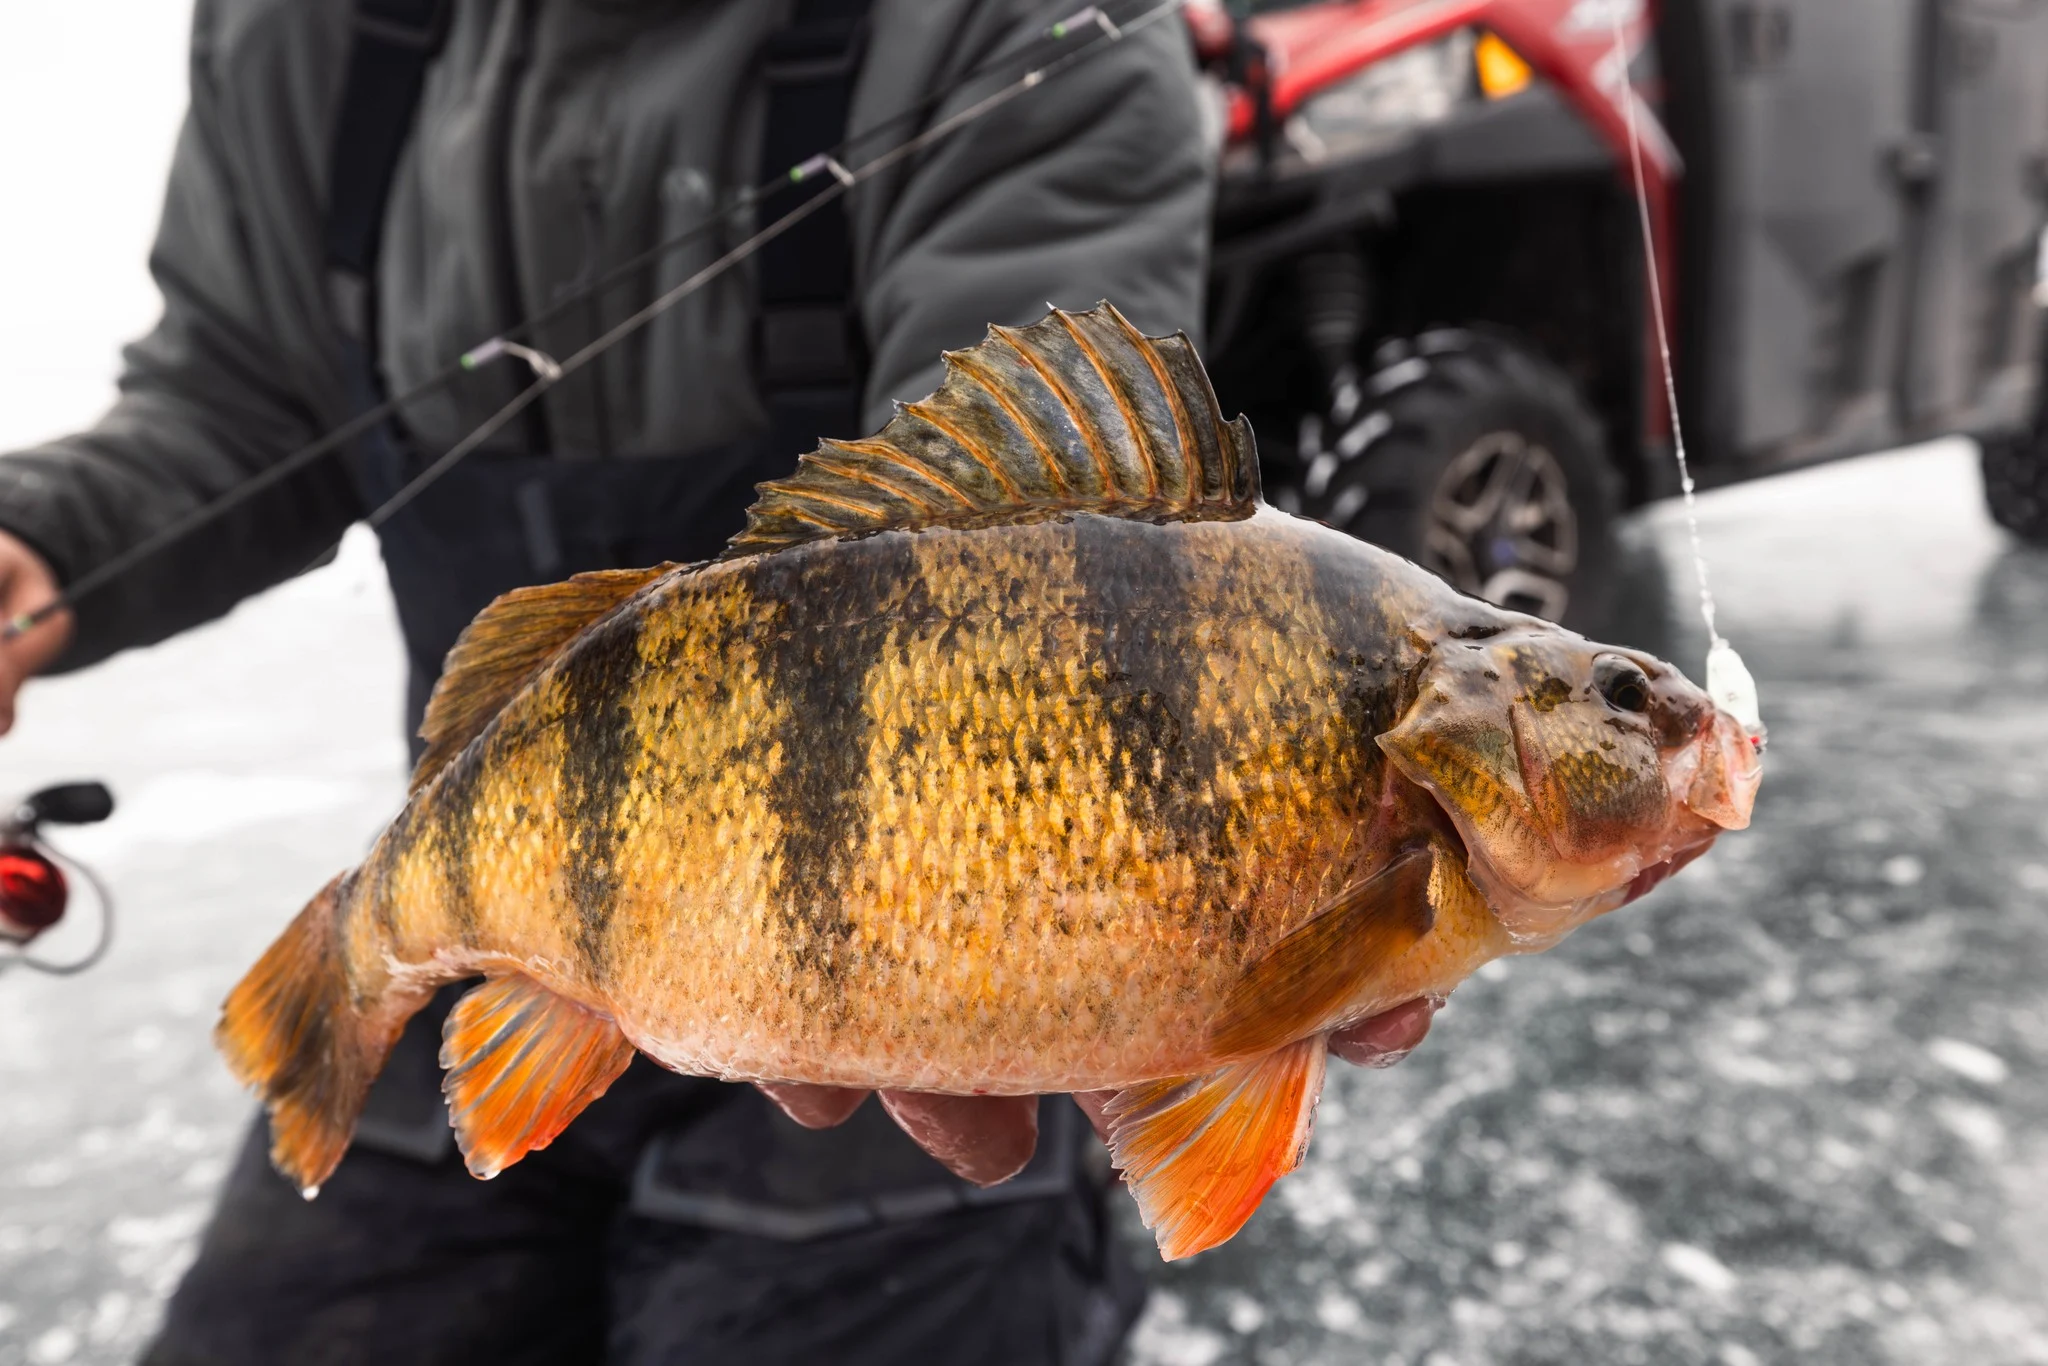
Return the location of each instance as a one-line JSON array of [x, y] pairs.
[[34, 650], [814, 1107], [14, 671], [984, 1139], [41, 644], [1388, 1037], [1092, 1104]]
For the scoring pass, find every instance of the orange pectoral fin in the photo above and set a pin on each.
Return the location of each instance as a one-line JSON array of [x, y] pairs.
[[1200, 1153], [522, 1062], [1302, 984]]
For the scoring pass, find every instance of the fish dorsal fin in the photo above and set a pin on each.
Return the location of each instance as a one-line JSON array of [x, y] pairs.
[[522, 1062], [1079, 412], [509, 642], [1303, 983], [1200, 1153]]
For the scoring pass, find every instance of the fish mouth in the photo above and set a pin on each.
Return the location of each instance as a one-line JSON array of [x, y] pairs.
[[1536, 924], [1529, 922], [1435, 814], [1648, 879], [1721, 772]]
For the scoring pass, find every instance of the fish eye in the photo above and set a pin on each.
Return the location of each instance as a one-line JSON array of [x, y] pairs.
[[1625, 686]]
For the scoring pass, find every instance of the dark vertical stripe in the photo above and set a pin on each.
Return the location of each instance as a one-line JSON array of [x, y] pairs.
[[1374, 651], [453, 824], [375, 876], [841, 603], [1142, 584], [432, 827], [600, 744]]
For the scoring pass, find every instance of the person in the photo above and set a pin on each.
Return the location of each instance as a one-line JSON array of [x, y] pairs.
[[364, 190]]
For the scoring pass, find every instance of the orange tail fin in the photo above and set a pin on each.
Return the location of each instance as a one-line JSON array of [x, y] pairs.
[[290, 1031]]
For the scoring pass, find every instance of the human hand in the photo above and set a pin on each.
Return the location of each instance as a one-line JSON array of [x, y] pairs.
[[26, 583], [987, 1139]]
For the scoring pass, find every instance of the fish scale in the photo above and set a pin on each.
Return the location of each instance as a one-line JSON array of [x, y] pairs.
[[1205, 863], [1016, 749]]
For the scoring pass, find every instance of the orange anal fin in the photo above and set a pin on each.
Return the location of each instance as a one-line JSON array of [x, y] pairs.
[[522, 1062], [1303, 983], [1200, 1153]]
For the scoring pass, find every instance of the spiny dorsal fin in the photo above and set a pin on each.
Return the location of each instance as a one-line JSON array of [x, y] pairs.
[[509, 642], [1078, 412]]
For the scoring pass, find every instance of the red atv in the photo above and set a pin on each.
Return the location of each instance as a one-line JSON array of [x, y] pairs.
[[1429, 291]]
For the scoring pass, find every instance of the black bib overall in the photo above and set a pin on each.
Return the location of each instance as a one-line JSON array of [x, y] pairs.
[[677, 1220]]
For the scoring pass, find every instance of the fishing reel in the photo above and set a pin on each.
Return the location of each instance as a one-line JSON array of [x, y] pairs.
[[35, 890]]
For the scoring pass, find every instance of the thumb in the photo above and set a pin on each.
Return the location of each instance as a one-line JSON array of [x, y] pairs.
[[10, 684], [26, 585]]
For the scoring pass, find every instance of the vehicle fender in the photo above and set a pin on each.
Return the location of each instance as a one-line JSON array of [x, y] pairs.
[[1568, 42]]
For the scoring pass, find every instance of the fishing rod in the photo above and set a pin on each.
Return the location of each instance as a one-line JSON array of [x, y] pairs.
[[1095, 20]]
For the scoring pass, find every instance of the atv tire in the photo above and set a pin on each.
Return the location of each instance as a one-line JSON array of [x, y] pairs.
[[1475, 457], [2016, 483]]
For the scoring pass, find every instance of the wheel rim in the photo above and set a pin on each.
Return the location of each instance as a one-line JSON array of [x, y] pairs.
[[1500, 525]]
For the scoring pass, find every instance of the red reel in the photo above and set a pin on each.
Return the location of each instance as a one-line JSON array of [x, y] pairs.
[[33, 892]]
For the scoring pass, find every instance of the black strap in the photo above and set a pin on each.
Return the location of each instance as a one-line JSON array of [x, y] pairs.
[[394, 43], [810, 337], [809, 349]]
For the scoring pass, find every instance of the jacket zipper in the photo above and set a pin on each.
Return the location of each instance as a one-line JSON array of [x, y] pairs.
[[539, 440]]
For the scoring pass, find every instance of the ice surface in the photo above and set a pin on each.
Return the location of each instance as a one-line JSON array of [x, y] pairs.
[[1792, 1106]]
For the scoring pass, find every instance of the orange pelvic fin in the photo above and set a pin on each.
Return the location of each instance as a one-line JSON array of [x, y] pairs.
[[290, 1031], [1303, 984], [509, 642], [522, 1062], [1199, 1153]]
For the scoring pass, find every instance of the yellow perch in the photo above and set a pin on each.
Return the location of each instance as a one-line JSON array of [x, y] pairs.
[[1019, 748]]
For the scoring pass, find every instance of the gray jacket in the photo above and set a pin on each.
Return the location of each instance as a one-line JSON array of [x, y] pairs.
[[568, 135]]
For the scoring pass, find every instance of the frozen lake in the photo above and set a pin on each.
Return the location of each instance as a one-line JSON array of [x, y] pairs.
[[1789, 1108]]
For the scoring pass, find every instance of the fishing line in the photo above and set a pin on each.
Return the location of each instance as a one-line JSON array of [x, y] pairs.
[[22, 958], [1728, 679], [2014, 11], [548, 372], [845, 180]]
